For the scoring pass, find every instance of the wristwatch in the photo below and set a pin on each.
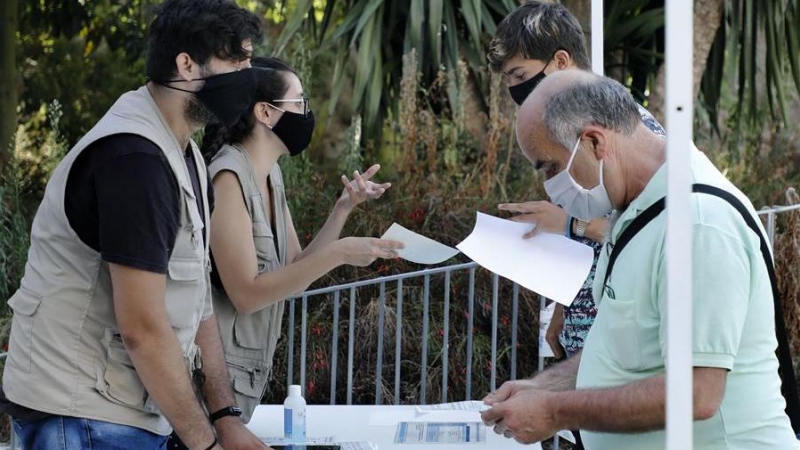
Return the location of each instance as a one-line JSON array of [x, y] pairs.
[[225, 412], [580, 228]]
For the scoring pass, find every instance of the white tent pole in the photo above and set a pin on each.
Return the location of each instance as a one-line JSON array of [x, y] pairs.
[[597, 37], [679, 114]]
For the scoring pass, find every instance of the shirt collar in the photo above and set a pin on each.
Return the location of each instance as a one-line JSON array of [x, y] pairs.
[[655, 189]]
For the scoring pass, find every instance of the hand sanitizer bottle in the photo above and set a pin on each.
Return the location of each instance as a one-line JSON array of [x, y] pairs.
[[294, 416]]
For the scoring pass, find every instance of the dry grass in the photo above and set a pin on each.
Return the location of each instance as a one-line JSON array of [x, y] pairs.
[[787, 268]]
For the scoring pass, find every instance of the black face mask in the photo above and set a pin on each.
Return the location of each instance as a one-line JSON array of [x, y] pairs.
[[227, 95], [521, 91], [295, 131]]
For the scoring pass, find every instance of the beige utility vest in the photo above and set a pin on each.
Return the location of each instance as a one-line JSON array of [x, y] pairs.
[[249, 340], [66, 355]]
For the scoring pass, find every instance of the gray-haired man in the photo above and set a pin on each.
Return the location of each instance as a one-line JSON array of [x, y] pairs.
[[585, 130]]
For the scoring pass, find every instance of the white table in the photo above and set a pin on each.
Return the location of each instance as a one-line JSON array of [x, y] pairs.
[[376, 424]]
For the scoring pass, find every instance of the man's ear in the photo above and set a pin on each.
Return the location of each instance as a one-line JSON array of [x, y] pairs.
[[562, 59], [186, 68], [597, 137]]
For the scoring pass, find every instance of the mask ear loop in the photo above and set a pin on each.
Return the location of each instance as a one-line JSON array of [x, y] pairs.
[[274, 107], [601, 175], [572, 156]]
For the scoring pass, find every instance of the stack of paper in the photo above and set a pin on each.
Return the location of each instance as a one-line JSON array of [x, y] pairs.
[[440, 433]]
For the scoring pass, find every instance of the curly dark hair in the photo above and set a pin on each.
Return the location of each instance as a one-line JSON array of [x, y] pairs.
[[271, 84], [537, 30], [200, 28]]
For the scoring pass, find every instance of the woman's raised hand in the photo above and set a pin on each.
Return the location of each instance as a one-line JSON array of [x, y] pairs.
[[361, 188]]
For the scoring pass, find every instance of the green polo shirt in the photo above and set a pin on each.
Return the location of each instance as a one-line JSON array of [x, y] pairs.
[[732, 317]]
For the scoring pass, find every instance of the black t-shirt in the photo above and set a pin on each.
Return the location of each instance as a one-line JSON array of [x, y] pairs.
[[122, 200]]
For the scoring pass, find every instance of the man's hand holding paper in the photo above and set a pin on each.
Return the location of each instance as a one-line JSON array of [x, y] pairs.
[[544, 216]]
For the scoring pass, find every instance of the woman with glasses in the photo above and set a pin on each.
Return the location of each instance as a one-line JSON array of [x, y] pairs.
[[256, 252]]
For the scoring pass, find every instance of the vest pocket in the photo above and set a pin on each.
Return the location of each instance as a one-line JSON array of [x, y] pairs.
[[24, 303], [185, 291], [249, 383], [118, 381], [181, 269], [251, 330]]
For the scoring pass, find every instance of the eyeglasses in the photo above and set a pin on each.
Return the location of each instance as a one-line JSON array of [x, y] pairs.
[[304, 100]]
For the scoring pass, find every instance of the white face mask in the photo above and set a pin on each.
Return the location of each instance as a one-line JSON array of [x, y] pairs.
[[585, 204]]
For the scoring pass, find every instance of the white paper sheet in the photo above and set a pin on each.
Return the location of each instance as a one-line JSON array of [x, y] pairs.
[[419, 249], [440, 433], [548, 264], [545, 317], [566, 434], [472, 405]]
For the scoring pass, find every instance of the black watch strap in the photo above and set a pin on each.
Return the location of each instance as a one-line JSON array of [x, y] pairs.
[[224, 412]]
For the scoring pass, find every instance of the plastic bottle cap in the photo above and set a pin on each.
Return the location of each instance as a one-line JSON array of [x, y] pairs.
[[294, 390]]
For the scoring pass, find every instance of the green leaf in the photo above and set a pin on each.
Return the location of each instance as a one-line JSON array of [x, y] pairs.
[[303, 8], [500, 7], [435, 30], [793, 44], [363, 63], [489, 26], [326, 20], [349, 22], [416, 19], [711, 85], [451, 54], [374, 94], [471, 17], [366, 16], [338, 76], [451, 37], [635, 28]]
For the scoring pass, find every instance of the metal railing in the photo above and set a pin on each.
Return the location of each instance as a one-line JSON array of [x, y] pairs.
[[400, 281], [770, 216]]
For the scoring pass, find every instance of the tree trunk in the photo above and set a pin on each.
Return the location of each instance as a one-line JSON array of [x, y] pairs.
[[8, 78], [707, 20]]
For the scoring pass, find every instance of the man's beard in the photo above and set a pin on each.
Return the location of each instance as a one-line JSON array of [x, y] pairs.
[[196, 112]]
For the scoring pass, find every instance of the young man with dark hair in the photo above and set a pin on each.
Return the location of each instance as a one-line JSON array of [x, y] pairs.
[[538, 39], [114, 312], [529, 38]]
